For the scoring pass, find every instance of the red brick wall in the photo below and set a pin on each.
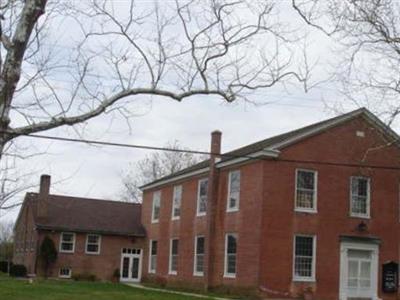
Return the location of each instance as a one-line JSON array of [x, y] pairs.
[[101, 265], [266, 221], [25, 246], [332, 220]]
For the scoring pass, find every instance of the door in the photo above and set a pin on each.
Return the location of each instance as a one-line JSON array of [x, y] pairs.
[[359, 272], [131, 265]]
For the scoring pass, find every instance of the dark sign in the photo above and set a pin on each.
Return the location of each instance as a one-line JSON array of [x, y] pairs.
[[390, 271]]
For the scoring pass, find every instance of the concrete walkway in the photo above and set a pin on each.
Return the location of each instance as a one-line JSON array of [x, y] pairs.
[[140, 286]]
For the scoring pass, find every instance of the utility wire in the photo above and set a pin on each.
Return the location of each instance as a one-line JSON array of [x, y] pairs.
[[224, 155]]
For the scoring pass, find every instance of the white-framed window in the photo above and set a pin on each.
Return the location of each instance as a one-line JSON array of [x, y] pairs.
[[176, 202], [230, 255], [199, 250], [233, 191], [202, 197], [304, 254], [306, 190], [67, 242], [155, 212], [93, 244], [359, 196], [173, 256], [65, 272], [153, 256]]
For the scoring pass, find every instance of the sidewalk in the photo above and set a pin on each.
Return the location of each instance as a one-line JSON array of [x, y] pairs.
[[140, 286]]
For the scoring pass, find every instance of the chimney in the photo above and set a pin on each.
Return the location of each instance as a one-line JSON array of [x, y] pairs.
[[44, 190], [212, 206]]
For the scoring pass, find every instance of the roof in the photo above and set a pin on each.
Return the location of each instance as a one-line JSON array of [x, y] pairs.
[[89, 215], [278, 142]]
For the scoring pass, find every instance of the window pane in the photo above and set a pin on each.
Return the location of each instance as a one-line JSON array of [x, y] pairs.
[[92, 248], [174, 248], [177, 201], [303, 266], [93, 239], [67, 237], [199, 263], [154, 247], [231, 244], [200, 245], [231, 264], [305, 179], [304, 246], [156, 205]]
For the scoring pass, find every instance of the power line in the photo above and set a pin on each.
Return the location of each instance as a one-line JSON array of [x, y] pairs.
[[224, 155]]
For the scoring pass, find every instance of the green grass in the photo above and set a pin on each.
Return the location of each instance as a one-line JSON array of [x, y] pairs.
[[13, 289]]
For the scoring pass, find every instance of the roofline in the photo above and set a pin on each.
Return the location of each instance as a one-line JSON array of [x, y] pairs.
[[105, 232], [255, 155], [273, 150]]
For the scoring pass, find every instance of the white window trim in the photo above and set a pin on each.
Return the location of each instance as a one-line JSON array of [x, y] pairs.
[[200, 214], [368, 214], [236, 208], [153, 220], [170, 271], [302, 209], [151, 271], [173, 217], [312, 278], [99, 244], [65, 276], [73, 242], [226, 274], [195, 273]]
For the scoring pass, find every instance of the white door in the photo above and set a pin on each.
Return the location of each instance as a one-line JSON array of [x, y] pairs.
[[131, 265], [359, 272]]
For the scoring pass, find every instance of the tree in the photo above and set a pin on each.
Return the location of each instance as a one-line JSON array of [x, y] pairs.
[[116, 53], [367, 36], [153, 167], [6, 242], [48, 253]]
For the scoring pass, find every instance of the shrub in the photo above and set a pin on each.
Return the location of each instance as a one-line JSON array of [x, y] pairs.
[[84, 277], [18, 271], [48, 253], [4, 266]]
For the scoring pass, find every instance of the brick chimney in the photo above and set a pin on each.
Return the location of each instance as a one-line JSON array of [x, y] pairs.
[[212, 205], [44, 190]]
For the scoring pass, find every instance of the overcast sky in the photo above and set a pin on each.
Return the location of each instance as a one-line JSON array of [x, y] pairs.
[[92, 171]]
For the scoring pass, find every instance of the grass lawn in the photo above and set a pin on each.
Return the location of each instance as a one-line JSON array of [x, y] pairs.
[[13, 289]]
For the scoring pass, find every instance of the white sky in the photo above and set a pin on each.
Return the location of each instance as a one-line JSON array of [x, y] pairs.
[[92, 171]]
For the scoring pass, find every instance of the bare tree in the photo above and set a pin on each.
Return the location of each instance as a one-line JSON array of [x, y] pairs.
[[63, 63], [367, 35], [153, 167]]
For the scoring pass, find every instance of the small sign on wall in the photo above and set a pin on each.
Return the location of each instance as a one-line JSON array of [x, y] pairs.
[[390, 277]]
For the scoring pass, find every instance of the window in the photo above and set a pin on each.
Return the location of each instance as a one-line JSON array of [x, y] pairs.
[[202, 197], [156, 207], [176, 202], [153, 256], [93, 244], [360, 196], [230, 255], [199, 256], [65, 272], [67, 242], [304, 258], [233, 191], [173, 256], [306, 190]]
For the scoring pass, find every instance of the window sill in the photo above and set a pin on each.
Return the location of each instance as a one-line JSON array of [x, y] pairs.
[[154, 221], [152, 272], [232, 210], [230, 276], [304, 210], [200, 214], [198, 274], [303, 279], [66, 252], [172, 273], [92, 253], [175, 218], [360, 216]]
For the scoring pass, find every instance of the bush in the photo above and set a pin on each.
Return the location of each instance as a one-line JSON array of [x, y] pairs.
[[18, 271], [84, 277], [4, 266]]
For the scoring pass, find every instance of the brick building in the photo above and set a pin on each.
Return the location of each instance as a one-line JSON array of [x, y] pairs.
[[311, 212], [92, 236]]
